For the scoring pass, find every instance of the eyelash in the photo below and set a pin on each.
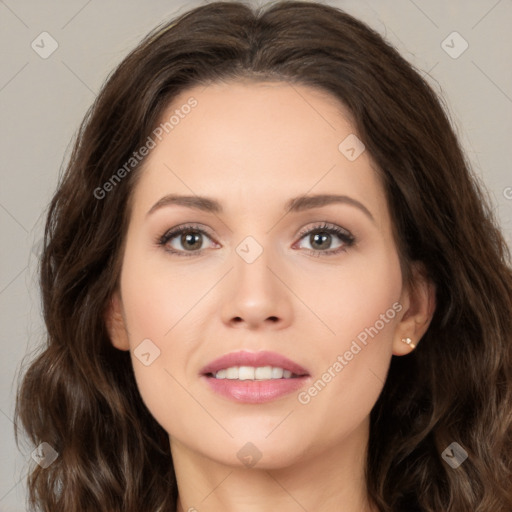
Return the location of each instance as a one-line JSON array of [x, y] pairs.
[[344, 235]]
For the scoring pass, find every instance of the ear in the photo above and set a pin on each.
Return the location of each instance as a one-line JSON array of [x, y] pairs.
[[115, 323], [419, 304]]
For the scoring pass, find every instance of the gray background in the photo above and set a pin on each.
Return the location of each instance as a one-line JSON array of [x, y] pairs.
[[42, 102]]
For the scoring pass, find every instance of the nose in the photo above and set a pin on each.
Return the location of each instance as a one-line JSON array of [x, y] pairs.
[[256, 295]]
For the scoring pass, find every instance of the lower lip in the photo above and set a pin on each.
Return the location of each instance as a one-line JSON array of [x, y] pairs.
[[254, 391]]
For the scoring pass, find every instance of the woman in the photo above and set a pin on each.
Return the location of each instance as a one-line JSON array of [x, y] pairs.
[[257, 372]]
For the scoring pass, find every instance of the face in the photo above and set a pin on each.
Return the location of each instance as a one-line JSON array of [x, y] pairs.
[[318, 286]]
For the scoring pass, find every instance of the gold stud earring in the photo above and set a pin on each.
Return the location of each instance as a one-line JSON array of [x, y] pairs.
[[409, 342]]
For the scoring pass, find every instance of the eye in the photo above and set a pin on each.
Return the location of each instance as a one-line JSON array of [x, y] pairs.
[[190, 238], [322, 235]]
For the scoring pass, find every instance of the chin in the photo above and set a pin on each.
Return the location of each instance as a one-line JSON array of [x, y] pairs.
[[253, 451]]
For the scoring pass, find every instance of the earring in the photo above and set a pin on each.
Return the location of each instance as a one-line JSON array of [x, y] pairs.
[[409, 342]]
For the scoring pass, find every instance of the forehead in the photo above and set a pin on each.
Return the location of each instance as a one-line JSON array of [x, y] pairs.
[[252, 144]]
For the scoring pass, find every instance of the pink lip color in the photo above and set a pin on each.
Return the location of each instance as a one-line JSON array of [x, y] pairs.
[[244, 358], [254, 391], [257, 391]]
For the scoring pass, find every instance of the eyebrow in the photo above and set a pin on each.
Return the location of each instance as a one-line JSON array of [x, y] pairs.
[[296, 204]]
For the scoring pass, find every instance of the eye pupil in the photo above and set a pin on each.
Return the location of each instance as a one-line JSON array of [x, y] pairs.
[[323, 236], [188, 237]]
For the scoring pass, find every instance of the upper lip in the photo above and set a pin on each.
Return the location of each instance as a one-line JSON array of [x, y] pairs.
[[262, 358]]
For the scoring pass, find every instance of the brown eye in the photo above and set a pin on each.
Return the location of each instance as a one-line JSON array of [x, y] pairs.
[[321, 238], [184, 241]]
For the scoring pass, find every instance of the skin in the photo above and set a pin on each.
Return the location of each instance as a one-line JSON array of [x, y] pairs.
[[253, 146]]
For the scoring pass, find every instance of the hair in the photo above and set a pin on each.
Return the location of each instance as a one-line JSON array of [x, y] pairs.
[[79, 393]]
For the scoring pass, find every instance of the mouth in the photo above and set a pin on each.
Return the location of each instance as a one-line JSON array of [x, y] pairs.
[[254, 377], [253, 373]]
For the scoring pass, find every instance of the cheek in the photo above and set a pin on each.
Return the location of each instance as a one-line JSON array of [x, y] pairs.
[[360, 306], [157, 296], [351, 297], [155, 306]]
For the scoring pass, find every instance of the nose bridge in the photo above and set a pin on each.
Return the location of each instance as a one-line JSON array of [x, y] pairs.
[[253, 258], [256, 294]]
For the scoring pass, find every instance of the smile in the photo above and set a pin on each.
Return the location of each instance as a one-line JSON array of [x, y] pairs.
[[253, 373], [253, 377]]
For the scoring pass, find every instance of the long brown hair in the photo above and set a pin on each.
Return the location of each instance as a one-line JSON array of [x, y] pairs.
[[79, 394]]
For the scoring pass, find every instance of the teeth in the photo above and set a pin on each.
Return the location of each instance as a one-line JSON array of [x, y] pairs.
[[277, 373], [253, 373], [263, 372], [221, 374], [246, 373], [232, 373]]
